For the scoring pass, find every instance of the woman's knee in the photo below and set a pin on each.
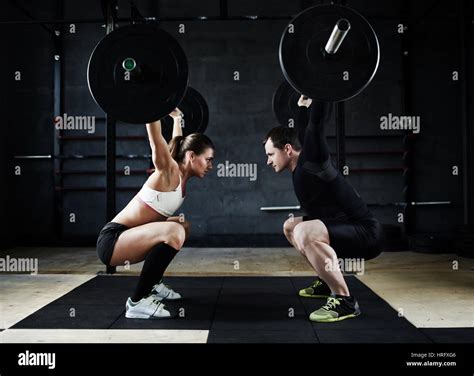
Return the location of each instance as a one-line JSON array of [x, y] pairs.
[[186, 224], [176, 236], [187, 228]]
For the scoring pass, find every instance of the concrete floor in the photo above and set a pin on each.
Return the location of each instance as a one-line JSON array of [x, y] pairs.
[[435, 291]]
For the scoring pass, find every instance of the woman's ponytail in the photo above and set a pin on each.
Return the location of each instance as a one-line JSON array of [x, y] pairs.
[[175, 148], [196, 142]]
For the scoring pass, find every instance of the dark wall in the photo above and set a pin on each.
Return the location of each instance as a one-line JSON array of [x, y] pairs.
[[470, 105], [436, 46], [3, 141], [240, 114], [29, 131]]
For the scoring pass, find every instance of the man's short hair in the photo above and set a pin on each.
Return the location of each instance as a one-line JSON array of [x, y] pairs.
[[283, 135]]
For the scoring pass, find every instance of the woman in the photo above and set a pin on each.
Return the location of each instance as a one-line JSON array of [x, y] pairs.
[[145, 228]]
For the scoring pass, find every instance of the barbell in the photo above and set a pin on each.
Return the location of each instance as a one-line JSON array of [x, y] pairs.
[[329, 53], [196, 115], [139, 74], [285, 104]]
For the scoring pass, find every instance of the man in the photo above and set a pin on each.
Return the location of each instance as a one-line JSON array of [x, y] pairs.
[[338, 222]]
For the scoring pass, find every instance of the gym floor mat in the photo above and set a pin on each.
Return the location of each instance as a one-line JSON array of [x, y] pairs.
[[238, 310]]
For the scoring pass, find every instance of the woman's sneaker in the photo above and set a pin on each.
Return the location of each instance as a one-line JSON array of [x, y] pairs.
[[146, 308], [337, 308], [164, 292], [319, 289]]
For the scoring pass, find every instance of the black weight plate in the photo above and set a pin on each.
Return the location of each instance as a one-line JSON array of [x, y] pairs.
[[285, 104], [322, 78], [196, 115], [154, 88]]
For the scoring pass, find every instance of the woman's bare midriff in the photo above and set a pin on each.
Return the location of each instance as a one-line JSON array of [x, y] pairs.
[[137, 213]]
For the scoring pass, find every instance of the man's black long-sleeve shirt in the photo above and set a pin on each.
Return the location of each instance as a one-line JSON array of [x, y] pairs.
[[321, 190]]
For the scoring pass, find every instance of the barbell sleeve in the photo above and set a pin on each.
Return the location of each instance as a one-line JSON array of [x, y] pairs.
[[337, 36]]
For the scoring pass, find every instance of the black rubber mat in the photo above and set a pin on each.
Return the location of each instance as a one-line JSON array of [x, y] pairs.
[[450, 335], [378, 322], [236, 310]]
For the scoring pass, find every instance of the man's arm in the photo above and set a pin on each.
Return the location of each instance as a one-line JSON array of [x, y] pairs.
[[315, 155], [302, 117], [301, 122], [315, 143]]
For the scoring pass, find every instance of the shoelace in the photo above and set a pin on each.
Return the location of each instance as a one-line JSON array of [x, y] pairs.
[[167, 290], [316, 283], [331, 304], [156, 301], [170, 290], [160, 305]]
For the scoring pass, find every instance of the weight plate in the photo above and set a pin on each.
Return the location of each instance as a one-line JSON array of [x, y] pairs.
[[323, 77], [149, 91]]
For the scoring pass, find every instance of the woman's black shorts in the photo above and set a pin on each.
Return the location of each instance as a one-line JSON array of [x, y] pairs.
[[106, 241]]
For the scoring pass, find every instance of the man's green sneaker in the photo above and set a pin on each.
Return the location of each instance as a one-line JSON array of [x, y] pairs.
[[336, 309], [319, 289]]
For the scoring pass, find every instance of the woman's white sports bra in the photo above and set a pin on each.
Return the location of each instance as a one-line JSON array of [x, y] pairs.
[[165, 203]]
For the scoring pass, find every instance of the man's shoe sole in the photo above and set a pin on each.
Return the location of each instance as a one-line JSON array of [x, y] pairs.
[[337, 318], [313, 296]]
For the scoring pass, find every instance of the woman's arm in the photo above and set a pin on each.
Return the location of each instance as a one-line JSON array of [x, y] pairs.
[[177, 116], [161, 156]]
